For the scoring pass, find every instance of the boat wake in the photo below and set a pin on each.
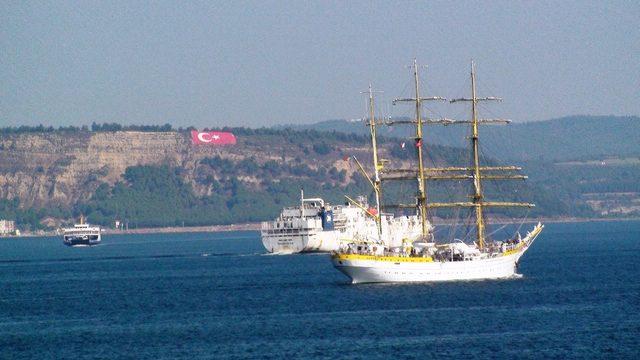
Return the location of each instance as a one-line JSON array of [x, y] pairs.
[[252, 254], [122, 258], [278, 253], [225, 254]]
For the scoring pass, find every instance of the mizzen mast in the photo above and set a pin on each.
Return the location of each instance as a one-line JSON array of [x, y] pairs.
[[478, 202]]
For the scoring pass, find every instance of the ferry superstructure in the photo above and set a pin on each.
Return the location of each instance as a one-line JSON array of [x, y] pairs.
[[426, 259], [316, 226], [82, 234]]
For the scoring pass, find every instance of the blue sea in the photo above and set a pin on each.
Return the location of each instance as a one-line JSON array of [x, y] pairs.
[[219, 296]]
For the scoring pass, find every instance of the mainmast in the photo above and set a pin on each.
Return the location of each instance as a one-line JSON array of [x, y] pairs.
[[376, 164], [477, 184], [422, 188], [421, 198]]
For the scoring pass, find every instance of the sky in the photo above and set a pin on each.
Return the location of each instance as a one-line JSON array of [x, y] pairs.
[[262, 63]]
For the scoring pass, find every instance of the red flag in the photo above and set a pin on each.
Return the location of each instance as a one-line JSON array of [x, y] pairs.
[[419, 143], [212, 138]]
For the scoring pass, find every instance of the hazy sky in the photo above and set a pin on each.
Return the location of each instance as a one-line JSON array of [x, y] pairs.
[[261, 63]]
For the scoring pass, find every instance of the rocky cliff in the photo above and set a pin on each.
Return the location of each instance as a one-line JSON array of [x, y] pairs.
[[63, 168], [163, 179]]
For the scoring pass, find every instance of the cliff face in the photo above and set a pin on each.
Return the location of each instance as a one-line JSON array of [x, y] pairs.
[[54, 172], [64, 168]]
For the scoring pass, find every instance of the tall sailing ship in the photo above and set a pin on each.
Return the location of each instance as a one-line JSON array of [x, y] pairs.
[[423, 258]]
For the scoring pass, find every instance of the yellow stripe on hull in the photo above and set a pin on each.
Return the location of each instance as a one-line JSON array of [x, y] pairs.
[[516, 250], [375, 269], [536, 231], [394, 259]]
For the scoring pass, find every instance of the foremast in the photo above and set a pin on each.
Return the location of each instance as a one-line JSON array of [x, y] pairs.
[[377, 166]]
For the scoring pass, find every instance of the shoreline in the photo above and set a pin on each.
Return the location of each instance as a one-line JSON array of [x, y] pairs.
[[544, 220], [186, 229], [256, 226]]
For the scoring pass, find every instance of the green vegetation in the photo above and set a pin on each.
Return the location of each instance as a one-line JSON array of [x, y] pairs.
[[118, 127], [157, 196], [252, 185], [94, 127], [25, 218], [152, 196], [41, 129], [569, 138]]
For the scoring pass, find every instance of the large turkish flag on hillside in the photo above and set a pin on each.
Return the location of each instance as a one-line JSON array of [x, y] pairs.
[[212, 138]]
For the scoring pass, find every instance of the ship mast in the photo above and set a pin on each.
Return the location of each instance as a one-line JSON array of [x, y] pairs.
[[421, 198], [475, 172], [376, 165], [477, 184], [478, 202], [422, 188]]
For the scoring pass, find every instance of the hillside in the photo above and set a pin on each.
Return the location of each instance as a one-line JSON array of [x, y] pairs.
[[563, 139], [590, 161], [159, 178]]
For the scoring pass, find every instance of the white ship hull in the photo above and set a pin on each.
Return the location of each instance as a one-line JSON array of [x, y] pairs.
[[372, 269], [282, 243], [82, 235], [312, 227], [80, 241]]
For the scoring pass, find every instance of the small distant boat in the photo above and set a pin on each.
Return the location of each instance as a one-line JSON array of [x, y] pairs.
[[82, 234]]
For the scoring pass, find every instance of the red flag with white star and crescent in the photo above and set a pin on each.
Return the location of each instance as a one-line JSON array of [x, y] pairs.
[[212, 138]]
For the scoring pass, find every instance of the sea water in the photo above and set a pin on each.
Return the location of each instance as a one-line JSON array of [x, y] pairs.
[[218, 295]]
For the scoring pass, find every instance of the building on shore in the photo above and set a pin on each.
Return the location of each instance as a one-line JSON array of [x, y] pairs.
[[7, 227]]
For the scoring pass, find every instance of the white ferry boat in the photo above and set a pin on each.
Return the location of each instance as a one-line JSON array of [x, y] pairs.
[[316, 226], [428, 258], [82, 234]]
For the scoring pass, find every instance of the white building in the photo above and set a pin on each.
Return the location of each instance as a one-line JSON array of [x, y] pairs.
[[7, 227]]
